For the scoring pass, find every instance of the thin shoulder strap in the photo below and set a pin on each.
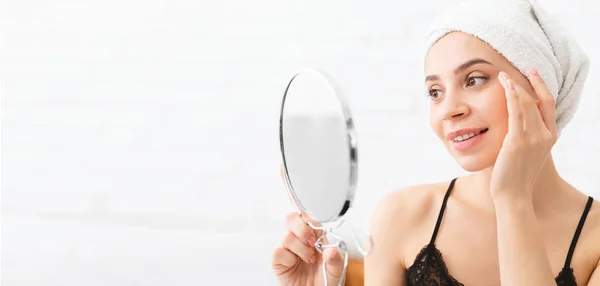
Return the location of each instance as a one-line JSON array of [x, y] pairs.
[[439, 220], [578, 232]]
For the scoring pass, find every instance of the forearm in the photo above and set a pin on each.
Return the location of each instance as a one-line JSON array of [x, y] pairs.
[[522, 255]]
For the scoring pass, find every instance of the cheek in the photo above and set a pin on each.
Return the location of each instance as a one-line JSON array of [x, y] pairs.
[[493, 108], [435, 122], [498, 107]]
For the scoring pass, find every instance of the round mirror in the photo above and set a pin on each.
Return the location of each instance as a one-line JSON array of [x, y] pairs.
[[318, 146]]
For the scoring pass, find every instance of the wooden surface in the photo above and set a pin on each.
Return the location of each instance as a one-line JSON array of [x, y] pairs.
[[355, 274]]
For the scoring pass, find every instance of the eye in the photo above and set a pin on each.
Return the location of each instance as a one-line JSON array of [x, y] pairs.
[[473, 80], [435, 93]]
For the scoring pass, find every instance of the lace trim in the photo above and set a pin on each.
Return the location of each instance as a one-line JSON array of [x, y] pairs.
[[429, 269], [566, 278]]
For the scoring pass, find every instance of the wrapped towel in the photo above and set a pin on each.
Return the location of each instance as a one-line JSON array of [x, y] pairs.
[[527, 36]]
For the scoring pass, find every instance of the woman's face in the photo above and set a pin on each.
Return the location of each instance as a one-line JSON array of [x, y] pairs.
[[461, 78]]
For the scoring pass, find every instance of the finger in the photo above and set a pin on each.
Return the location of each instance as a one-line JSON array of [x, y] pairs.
[[334, 262], [298, 227], [284, 257], [533, 120], [311, 223], [297, 247], [547, 100], [515, 113]]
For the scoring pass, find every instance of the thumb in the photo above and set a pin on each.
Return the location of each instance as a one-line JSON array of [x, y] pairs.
[[334, 262]]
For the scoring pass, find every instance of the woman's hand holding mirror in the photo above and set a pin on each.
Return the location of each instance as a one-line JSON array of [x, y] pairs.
[[297, 262]]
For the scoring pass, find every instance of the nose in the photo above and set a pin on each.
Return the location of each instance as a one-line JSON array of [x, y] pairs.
[[454, 106]]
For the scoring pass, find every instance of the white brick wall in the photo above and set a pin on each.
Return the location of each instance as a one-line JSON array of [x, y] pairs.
[[139, 138]]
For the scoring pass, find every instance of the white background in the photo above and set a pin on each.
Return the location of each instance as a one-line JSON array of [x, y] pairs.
[[139, 138]]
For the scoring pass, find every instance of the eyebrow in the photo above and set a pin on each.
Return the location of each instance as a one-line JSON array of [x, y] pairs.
[[461, 68]]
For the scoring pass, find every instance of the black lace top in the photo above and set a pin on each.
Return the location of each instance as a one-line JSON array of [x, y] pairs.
[[429, 268]]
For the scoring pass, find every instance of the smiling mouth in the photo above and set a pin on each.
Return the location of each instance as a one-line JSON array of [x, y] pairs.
[[461, 138]]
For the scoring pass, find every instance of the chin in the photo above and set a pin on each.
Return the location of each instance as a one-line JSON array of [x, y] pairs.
[[474, 163]]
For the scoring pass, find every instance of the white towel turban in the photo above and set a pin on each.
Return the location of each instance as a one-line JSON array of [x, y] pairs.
[[526, 36]]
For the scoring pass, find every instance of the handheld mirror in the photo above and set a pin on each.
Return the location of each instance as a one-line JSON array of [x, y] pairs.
[[319, 151]]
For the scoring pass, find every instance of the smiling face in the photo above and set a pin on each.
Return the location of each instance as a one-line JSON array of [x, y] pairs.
[[467, 99]]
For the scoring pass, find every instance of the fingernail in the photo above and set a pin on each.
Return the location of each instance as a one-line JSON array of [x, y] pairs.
[[533, 72], [312, 240], [502, 81], [511, 84], [503, 78]]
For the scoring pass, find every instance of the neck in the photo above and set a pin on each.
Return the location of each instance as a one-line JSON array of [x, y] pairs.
[[548, 190]]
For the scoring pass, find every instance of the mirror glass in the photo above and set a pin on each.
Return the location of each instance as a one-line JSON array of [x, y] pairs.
[[318, 146]]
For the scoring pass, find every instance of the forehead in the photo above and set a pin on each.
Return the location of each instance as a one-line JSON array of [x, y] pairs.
[[456, 48]]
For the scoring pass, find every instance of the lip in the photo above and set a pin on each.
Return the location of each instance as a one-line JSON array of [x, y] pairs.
[[453, 134], [469, 143]]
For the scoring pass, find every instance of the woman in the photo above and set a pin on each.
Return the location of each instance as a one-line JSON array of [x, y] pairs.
[[503, 79]]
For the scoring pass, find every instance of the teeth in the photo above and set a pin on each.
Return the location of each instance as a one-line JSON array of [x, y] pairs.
[[465, 136]]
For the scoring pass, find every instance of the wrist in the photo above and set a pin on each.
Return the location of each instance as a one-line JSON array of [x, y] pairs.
[[514, 201]]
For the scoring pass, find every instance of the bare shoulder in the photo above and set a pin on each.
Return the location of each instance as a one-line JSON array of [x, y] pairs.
[[411, 203], [407, 214], [592, 226], [590, 235], [593, 217]]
